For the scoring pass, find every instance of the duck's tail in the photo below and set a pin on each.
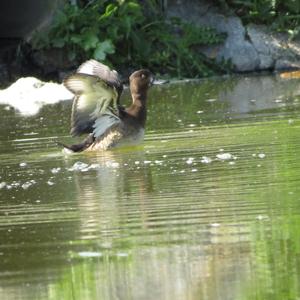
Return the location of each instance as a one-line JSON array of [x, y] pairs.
[[80, 146]]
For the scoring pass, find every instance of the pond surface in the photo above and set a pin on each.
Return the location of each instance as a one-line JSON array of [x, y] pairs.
[[208, 207]]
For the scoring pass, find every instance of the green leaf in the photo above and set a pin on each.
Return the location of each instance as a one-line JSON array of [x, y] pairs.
[[134, 7], [103, 49], [90, 41], [110, 9], [140, 44], [293, 6], [60, 18], [76, 39], [58, 42]]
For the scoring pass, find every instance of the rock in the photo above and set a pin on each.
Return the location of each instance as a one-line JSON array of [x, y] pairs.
[[241, 53], [22, 19], [52, 60], [236, 48], [287, 64], [249, 48], [265, 46], [4, 74], [275, 50], [266, 62]]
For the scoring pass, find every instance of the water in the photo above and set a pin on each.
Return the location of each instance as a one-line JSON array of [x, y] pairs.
[[207, 208]]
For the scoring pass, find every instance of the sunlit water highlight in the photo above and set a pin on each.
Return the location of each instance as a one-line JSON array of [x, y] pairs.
[[206, 208]]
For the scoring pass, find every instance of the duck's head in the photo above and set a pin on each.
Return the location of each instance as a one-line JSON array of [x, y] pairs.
[[140, 81]]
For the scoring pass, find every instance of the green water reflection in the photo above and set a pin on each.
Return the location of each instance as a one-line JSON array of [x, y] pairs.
[[207, 208]]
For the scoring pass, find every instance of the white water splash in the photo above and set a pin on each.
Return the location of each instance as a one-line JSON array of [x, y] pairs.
[[29, 94]]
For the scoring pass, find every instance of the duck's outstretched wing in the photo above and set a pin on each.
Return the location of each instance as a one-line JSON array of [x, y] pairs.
[[95, 68], [94, 98]]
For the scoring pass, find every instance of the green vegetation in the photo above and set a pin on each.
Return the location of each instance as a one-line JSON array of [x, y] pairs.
[[280, 15], [128, 35]]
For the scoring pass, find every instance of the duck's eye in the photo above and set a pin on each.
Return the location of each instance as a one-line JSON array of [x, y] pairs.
[[143, 75]]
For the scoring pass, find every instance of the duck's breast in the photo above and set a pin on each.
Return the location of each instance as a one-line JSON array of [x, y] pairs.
[[118, 137]]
